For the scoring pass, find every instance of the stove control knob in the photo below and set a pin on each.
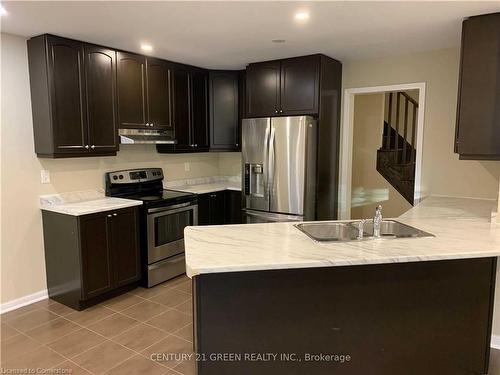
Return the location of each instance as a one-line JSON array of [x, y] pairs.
[[115, 177], [121, 177]]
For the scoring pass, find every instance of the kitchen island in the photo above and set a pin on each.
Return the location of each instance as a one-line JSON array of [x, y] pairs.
[[269, 300]]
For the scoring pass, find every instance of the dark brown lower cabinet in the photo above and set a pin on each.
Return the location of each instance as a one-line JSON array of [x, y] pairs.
[[92, 257], [232, 203], [221, 207], [211, 208], [431, 318]]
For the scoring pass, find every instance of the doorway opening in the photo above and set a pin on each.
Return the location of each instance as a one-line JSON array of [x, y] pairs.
[[381, 153]]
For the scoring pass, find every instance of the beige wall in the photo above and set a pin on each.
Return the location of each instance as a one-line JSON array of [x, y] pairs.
[[22, 257], [369, 188], [230, 163], [442, 172]]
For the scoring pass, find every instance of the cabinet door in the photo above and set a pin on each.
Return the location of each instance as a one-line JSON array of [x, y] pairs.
[[263, 89], [131, 90], [159, 94], [224, 115], [96, 255], [233, 207], [124, 229], [182, 112], [478, 122], [204, 209], [67, 88], [100, 80], [199, 108], [217, 208], [299, 85]]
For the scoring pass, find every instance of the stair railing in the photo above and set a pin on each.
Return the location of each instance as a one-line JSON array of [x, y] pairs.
[[402, 99]]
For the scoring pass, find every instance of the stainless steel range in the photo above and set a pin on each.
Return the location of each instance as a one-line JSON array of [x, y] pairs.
[[164, 215]]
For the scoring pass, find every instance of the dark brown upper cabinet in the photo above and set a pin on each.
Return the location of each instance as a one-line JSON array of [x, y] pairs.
[[224, 110], [199, 109], [190, 110], [144, 92], [159, 92], [182, 109], [283, 87], [478, 109], [72, 95], [100, 81], [132, 90], [263, 89], [299, 85]]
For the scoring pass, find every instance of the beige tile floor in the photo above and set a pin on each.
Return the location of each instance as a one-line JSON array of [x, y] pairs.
[[116, 337]]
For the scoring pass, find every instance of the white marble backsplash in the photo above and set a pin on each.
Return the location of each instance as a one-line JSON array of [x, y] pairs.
[[71, 197], [202, 181], [77, 203]]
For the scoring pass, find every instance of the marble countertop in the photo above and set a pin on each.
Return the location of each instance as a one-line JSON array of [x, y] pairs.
[[462, 227], [208, 188], [205, 185], [84, 202]]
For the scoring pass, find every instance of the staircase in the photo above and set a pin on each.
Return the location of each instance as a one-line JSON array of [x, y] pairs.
[[396, 157]]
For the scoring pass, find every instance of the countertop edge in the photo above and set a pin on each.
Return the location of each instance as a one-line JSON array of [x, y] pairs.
[[323, 264], [62, 210]]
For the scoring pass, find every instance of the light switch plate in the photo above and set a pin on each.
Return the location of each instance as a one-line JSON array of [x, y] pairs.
[[45, 176], [187, 167]]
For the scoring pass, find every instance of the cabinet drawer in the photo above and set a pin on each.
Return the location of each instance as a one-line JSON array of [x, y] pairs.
[[166, 269]]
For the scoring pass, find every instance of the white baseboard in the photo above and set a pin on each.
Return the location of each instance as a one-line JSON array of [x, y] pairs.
[[23, 301]]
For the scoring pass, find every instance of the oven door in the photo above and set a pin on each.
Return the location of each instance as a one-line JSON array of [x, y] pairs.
[[166, 229]]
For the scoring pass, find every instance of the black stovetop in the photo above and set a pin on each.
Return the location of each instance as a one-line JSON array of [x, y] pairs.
[[145, 185], [163, 196]]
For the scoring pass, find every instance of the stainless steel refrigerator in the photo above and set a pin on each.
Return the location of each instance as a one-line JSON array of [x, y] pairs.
[[279, 169]]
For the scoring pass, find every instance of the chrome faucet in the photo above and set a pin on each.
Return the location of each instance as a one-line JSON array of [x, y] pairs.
[[376, 221], [361, 229]]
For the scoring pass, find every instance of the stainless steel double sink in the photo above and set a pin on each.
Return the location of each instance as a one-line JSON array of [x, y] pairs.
[[348, 231]]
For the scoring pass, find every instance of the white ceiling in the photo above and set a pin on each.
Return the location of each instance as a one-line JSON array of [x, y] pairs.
[[232, 34]]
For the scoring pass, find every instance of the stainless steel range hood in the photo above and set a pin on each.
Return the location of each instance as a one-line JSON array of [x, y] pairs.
[[145, 136]]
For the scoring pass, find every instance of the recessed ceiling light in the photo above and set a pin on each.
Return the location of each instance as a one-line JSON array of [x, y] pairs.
[[3, 12], [147, 47], [302, 16], [278, 40]]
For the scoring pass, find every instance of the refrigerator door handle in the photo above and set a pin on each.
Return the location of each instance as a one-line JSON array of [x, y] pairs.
[[271, 164]]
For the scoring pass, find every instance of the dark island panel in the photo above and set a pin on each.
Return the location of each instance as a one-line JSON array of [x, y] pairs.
[[401, 318]]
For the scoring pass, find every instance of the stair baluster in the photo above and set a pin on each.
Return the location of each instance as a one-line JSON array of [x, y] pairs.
[[393, 161], [405, 131], [397, 127], [389, 118], [413, 127]]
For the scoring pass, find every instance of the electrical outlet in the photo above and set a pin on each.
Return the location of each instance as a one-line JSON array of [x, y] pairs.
[[45, 176], [187, 167]]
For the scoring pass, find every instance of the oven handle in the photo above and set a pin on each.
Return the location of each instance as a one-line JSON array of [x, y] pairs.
[[169, 208]]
